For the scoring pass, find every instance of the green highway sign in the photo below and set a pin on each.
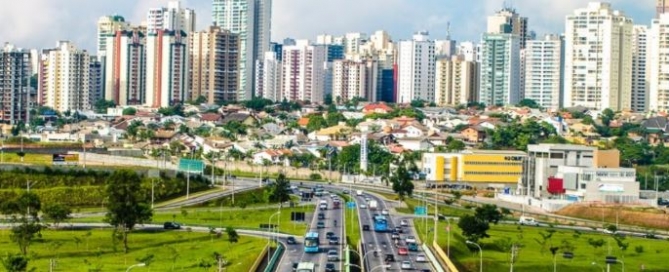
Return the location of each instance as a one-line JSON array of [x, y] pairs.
[[191, 166]]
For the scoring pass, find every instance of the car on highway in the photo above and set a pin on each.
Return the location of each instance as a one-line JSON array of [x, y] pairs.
[[330, 267], [384, 212], [320, 225], [363, 206], [333, 256], [410, 239], [291, 240], [329, 234], [365, 227], [295, 266], [402, 251], [367, 199], [399, 230], [389, 258], [321, 216], [420, 258], [346, 192], [171, 225], [525, 220], [333, 195], [404, 223], [333, 240], [412, 246], [406, 265], [395, 235]]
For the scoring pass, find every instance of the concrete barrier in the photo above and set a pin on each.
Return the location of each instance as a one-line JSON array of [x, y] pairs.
[[432, 258], [275, 257], [260, 259], [440, 252]]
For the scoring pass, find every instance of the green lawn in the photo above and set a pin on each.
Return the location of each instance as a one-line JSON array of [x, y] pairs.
[[531, 257], [172, 251], [41, 159], [238, 218], [352, 225]]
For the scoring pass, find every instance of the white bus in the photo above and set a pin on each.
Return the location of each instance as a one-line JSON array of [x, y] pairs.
[[305, 267]]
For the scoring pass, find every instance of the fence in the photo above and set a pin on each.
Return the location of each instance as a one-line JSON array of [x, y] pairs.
[[275, 257]]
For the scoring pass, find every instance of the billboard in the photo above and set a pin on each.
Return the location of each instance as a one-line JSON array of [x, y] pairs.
[[191, 166], [611, 188], [65, 159]]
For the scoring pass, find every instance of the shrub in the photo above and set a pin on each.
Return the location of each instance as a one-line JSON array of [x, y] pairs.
[[315, 176], [638, 249]]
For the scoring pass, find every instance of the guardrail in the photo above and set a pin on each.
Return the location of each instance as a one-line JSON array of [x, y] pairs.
[[275, 257], [260, 259], [440, 252], [432, 258]]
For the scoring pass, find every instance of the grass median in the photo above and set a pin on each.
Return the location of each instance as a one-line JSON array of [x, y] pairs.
[[410, 203], [93, 250], [352, 223], [534, 252]]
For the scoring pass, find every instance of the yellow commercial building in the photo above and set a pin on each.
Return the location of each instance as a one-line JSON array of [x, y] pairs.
[[480, 167]]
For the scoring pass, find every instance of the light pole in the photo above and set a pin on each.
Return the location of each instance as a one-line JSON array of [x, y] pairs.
[[480, 254], [269, 239], [596, 264], [362, 261], [621, 262], [135, 265]]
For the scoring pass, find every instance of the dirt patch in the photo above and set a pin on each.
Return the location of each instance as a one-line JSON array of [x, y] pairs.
[[641, 216]]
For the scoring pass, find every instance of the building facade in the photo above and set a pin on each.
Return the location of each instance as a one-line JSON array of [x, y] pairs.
[[65, 73], [499, 82], [507, 20], [354, 79], [598, 58], [543, 71], [15, 68], [416, 69], [124, 67], [456, 81], [250, 19], [304, 72], [172, 17], [639, 81], [477, 168], [95, 81], [591, 184], [657, 73], [109, 25], [269, 76], [166, 68], [214, 59]]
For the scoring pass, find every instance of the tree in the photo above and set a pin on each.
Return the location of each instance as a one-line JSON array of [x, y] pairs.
[[102, 105], [528, 103], [233, 237], [126, 203], [279, 191], [23, 211], [607, 116], [417, 103], [257, 103], [16, 263], [455, 145], [473, 228], [328, 99], [56, 213], [129, 111], [333, 118], [489, 213], [316, 122], [401, 180]]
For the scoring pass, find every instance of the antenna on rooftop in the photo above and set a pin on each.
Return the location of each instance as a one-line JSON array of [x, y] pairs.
[[448, 30]]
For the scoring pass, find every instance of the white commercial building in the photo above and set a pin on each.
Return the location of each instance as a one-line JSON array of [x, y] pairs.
[[268, 77], [416, 65], [657, 73], [598, 58], [304, 72], [543, 71], [543, 160], [124, 79], [639, 81], [610, 185], [64, 78], [456, 81], [250, 19]]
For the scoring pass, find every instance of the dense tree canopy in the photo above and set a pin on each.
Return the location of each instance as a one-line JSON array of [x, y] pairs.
[[127, 203]]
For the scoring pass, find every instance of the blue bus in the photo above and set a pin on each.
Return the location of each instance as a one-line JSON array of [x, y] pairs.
[[311, 242], [380, 223]]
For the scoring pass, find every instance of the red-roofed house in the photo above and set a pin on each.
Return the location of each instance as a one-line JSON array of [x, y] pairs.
[[381, 108], [211, 118], [303, 122], [275, 156]]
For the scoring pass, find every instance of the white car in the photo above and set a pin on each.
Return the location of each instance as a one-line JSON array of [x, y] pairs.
[[363, 206], [384, 212], [410, 239], [524, 220], [421, 258], [406, 265], [404, 223]]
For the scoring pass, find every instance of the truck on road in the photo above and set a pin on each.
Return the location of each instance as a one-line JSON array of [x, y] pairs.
[[373, 205]]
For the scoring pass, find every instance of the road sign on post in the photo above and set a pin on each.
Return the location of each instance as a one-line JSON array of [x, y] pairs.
[[191, 166], [420, 210]]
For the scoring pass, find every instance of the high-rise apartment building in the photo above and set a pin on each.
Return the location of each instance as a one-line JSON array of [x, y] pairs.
[[353, 41], [499, 82], [269, 76], [661, 7], [166, 68], [109, 25], [657, 73], [507, 20], [303, 72], [15, 72], [214, 58], [543, 71], [125, 78], [468, 50], [172, 17], [65, 78], [95, 81], [639, 81], [416, 64], [354, 79], [598, 58], [456, 81], [250, 19]]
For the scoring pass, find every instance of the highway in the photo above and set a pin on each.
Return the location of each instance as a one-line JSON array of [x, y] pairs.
[[382, 242], [295, 252]]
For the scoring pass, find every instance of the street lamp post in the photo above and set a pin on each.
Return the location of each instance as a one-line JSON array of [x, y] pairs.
[[480, 254], [596, 264], [362, 261], [621, 262], [135, 265], [269, 239]]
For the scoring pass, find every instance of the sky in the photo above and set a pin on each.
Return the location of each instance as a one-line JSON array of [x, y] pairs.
[[41, 23]]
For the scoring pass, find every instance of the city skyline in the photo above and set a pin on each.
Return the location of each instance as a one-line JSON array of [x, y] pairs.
[[293, 18]]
